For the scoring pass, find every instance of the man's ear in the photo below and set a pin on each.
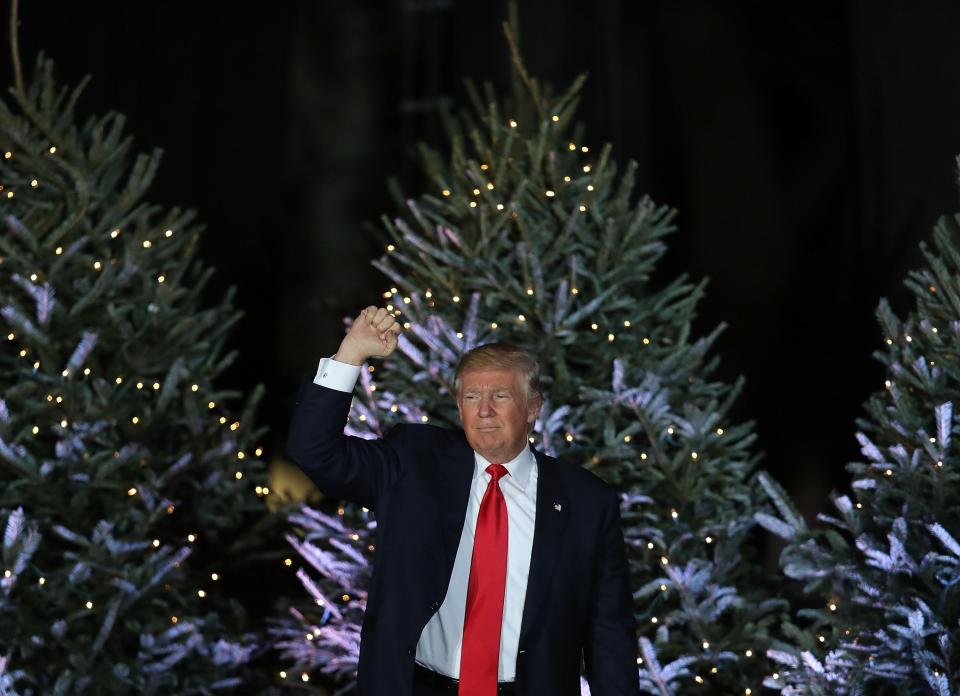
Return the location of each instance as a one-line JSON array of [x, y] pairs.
[[533, 408]]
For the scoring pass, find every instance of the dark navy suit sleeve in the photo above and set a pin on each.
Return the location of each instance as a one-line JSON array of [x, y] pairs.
[[341, 466], [610, 649]]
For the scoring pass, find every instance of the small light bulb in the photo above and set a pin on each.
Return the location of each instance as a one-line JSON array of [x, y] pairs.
[[59, 250], [513, 124], [168, 234], [132, 491], [135, 420]]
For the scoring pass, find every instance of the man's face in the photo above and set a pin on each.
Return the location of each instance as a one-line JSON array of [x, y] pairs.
[[495, 412]]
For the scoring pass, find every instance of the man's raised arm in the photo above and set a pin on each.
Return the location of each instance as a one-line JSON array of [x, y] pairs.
[[344, 467]]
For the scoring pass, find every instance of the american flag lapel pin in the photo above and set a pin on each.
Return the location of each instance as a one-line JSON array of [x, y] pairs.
[[558, 507]]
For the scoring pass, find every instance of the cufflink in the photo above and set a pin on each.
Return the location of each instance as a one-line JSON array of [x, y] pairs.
[[557, 506]]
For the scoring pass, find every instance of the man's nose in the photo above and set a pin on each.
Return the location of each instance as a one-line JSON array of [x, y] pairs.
[[486, 406]]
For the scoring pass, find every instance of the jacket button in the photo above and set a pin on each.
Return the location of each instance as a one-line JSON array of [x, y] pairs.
[[434, 606], [410, 651]]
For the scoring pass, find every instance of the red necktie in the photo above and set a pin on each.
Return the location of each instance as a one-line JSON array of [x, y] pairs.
[[480, 652]]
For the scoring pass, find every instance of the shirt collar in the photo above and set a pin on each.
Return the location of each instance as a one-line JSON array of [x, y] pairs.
[[519, 467]]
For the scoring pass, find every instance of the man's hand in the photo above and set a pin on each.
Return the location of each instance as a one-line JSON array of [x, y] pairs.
[[373, 335]]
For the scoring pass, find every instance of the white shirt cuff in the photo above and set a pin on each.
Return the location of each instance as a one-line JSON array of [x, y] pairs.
[[337, 375]]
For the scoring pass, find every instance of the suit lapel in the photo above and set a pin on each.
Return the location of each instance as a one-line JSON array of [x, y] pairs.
[[552, 512], [455, 467]]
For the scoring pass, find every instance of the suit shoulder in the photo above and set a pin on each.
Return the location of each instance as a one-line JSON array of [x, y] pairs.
[[582, 479], [423, 433]]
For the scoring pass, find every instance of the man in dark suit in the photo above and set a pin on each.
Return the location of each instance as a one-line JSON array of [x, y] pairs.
[[497, 568]]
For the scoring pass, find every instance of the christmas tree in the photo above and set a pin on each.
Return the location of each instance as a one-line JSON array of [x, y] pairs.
[[528, 235], [883, 568], [131, 493]]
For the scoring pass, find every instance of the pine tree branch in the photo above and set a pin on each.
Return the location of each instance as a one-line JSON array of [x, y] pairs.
[[15, 47]]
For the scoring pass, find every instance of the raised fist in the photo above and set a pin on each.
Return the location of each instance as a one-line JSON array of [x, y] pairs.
[[373, 335]]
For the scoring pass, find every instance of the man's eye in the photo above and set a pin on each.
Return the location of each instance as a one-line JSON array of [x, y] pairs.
[[503, 395]]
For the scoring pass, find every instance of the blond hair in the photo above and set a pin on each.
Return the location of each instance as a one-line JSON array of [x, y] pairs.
[[502, 356]]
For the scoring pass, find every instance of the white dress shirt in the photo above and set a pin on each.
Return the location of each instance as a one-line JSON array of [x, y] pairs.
[[442, 637]]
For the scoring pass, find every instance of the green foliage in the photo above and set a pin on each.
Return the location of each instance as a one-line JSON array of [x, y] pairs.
[[885, 567], [114, 436]]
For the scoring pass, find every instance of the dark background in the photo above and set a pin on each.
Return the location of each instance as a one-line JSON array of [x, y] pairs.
[[809, 149]]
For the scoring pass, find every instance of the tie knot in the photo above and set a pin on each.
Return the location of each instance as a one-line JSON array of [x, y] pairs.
[[497, 471]]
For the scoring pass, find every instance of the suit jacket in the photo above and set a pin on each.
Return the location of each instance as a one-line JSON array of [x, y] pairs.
[[417, 481]]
